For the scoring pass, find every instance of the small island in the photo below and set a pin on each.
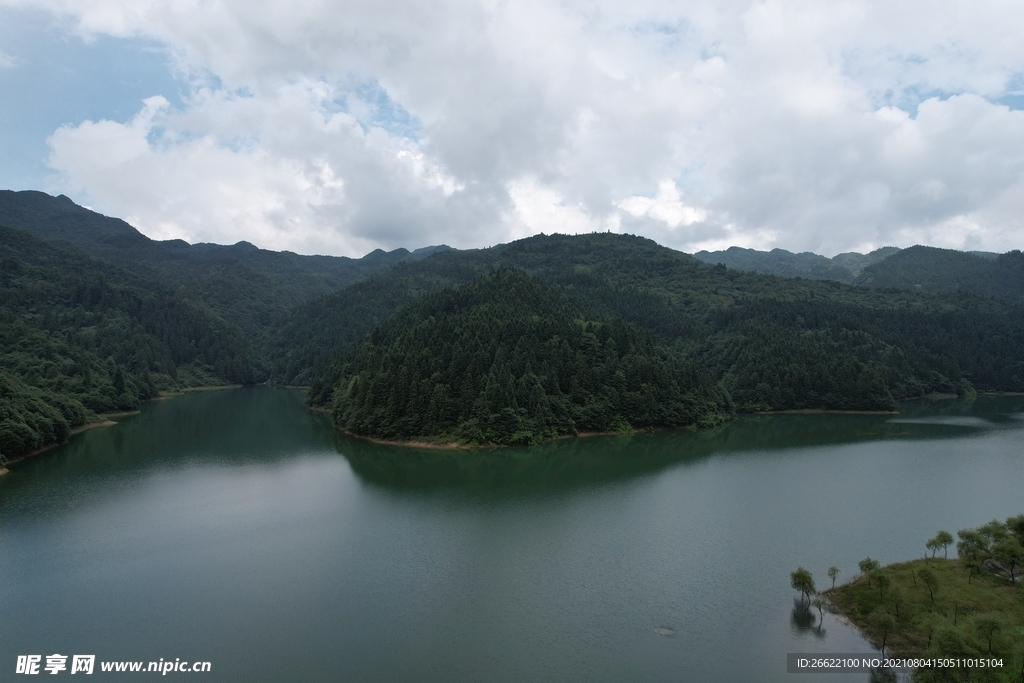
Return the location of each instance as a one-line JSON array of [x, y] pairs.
[[967, 608]]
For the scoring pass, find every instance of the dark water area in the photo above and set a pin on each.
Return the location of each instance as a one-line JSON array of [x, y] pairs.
[[239, 528]]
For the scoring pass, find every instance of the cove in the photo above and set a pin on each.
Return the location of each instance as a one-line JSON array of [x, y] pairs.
[[240, 528]]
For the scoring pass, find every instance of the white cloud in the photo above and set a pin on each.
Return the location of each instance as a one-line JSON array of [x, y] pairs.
[[341, 127], [7, 61], [666, 207], [541, 209]]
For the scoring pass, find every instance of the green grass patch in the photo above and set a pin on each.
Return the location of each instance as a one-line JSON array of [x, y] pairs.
[[961, 616]]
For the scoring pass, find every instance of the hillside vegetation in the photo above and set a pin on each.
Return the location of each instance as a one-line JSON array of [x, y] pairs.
[[774, 344], [929, 269], [249, 287], [508, 359], [80, 337], [969, 607]]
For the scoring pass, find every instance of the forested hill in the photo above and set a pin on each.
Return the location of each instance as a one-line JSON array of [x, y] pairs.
[[79, 336], [250, 287], [509, 359], [783, 263], [945, 270], [773, 343], [314, 334]]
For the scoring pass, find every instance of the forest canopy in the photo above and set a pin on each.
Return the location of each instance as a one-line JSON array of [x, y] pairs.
[[80, 337], [509, 359], [773, 343]]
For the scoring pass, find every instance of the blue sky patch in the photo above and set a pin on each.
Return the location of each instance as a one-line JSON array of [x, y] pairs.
[[379, 110], [58, 79], [909, 99], [1014, 96]]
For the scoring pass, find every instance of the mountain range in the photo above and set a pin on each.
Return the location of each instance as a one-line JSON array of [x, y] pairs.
[[96, 316]]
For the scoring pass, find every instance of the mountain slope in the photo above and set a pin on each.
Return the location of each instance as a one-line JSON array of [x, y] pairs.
[[309, 339], [945, 270], [79, 336], [245, 285]]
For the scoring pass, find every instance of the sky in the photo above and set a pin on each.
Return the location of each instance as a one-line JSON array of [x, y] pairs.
[[342, 127]]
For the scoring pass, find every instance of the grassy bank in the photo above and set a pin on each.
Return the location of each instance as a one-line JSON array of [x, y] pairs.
[[940, 608]]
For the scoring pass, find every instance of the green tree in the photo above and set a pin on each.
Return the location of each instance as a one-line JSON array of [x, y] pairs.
[[883, 582], [973, 547], [802, 581], [1015, 525], [833, 572], [945, 539], [867, 566], [987, 625], [941, 540], [927, 622], [930, 581], [1009, 552], [994, 530], [897, 598], [948, 642], [882, 624], [820, 603]]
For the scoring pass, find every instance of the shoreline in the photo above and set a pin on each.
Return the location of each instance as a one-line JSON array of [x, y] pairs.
[[76, 430], [956, 598], [181, 392], [456, 446], [790, 411], [105, 421], [821, 411]]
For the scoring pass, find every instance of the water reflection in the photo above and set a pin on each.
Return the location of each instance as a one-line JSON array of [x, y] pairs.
[[803, 620], [233, 508], [571, 463], [232, 428]]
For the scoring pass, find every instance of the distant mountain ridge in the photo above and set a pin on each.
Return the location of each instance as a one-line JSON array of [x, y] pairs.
[[920, 268], [841, 268], [856, 262], [245, 285], [778, 262], [930, 269]]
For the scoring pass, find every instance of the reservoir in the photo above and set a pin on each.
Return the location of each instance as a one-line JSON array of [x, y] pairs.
[[237, 527]]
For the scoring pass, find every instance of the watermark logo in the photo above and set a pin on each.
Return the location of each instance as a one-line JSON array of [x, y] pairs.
[[55, 664], [82, 664], [28, 664], [85, 664]]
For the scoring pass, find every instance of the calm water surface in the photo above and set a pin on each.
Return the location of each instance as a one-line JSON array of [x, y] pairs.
[[237, 527]]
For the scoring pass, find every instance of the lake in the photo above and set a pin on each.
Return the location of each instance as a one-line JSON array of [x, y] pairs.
[[239, 528]]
